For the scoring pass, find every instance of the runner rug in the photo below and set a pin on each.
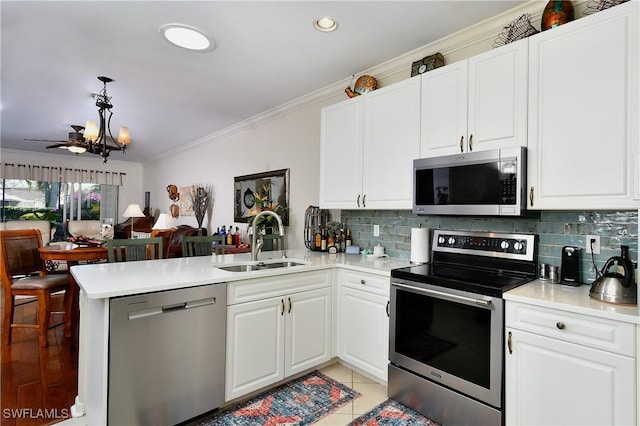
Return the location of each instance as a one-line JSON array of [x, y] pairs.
[[392, 413], [302, 401]]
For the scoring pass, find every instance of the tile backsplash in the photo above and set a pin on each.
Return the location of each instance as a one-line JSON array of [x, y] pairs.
[[555, 229]]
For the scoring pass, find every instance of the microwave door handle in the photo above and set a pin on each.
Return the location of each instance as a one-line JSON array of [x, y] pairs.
[[446, 296]]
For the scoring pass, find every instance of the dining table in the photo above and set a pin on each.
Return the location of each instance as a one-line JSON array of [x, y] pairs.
[[72, 254]]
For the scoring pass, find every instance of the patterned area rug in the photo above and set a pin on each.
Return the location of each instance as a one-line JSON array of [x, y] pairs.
[[299, 402], [392, 413]]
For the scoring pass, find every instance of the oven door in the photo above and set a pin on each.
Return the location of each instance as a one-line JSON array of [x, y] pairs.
[[448, 336]]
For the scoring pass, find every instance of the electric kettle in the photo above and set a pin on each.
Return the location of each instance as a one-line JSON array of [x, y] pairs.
[[614, 287]]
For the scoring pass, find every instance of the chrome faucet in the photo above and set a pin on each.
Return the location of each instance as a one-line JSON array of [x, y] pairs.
[[256, 246]]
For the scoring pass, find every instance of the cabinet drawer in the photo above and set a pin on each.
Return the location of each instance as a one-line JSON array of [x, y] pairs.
[[275, 286], [599, 333], [368, 282]]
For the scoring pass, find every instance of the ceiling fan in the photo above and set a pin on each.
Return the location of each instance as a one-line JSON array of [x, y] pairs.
[[76, 142]]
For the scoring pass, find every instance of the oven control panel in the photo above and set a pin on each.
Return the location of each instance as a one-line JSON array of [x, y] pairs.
[[487, 244]]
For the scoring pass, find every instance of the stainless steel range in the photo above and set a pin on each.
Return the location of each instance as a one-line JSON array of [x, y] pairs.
[[446, 337]]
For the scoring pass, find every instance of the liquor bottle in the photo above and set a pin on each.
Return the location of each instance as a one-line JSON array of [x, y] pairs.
[[343, 241], [236, 237], [230, 236], [323, 241], [348, 240], [318, 239]]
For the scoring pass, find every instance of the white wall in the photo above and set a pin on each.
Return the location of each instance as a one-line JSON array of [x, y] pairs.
[[289, 142], [129, 192]]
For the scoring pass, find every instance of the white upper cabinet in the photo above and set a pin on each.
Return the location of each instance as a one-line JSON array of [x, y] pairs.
[[583, 113], [367, 148], [476, 104], [341, 154]]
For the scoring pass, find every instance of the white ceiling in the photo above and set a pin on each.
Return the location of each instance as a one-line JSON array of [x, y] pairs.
[[267, 54]]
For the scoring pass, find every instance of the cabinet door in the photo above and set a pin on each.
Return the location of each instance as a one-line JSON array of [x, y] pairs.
[[363, 331], [583, 112], [255, 346], [551, 382], [443, 125], [341, 141], [497, 104], [391, 142], [308, 330]]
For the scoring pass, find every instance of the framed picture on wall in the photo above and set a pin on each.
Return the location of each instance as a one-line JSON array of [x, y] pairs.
[[261, 191]]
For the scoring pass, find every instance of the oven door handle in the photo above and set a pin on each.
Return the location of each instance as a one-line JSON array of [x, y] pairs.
[[446, 296]]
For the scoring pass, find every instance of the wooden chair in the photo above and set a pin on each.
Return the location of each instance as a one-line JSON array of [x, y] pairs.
[[127, 250], [24, 274], [201, 245]]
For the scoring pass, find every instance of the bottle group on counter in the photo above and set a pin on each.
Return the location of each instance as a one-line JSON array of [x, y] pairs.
[[231, 237], [332, 241]]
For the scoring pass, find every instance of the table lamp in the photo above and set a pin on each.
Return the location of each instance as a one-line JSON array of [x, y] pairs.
[[133, 211], [164, 221]]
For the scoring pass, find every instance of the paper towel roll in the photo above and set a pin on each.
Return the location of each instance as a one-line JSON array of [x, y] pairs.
[[419, 245]]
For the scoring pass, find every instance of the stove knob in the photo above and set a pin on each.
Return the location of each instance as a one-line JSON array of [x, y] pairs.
[[504, 244], [441, 240], [451, 241], [518, 246]]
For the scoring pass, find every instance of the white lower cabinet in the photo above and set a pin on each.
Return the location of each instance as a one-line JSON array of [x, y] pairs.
[[564, 368], [363, 322], [273, 338]]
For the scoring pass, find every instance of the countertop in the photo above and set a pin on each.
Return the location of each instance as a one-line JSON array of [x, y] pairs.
[[106, 280], [571, 299]]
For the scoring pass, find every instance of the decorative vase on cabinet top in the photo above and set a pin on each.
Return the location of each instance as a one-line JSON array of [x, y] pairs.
[[556, 13]]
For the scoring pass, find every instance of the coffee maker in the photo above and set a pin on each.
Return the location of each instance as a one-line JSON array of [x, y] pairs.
[[570, 271]]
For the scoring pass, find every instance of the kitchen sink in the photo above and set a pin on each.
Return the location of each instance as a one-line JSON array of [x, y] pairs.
[[260, 266]]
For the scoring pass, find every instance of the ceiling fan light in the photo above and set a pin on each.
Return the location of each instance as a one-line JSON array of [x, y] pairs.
[[77, 149], [91, 131], [123, 136]]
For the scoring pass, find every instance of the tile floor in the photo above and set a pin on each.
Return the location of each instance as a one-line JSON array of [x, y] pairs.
[[372, 392]]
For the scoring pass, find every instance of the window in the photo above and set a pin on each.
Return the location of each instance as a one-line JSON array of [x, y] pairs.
[[57, 201]]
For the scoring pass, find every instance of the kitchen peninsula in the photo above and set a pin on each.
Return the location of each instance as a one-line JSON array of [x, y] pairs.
[[102, 282]]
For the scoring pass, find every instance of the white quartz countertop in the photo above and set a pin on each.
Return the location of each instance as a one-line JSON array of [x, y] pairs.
[[106, 280], [571, 299]]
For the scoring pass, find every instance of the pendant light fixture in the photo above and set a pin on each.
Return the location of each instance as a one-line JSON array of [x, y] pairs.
[[100, 139]]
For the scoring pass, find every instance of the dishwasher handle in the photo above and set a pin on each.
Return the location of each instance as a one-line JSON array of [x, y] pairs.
[[144, 313]]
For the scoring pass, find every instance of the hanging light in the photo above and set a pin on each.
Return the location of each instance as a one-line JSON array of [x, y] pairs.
[[100, 139]]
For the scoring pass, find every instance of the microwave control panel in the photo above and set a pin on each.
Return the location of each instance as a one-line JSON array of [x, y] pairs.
[[508, 182]]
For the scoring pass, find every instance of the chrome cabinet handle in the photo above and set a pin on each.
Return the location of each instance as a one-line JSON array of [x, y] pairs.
[[560, 325], [387, 308], [531, 196], [471, 142], [462, 143], [290, 304], [509, 344], [358, 200], [282, 302]]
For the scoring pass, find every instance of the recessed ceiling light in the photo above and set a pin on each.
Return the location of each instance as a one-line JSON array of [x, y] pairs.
[[188, 37], [325, 24]]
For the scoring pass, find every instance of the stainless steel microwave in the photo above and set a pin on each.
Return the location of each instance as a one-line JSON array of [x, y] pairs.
[[483, 183]]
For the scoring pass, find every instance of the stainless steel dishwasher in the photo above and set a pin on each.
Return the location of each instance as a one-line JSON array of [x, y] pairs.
[[166, 355]]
